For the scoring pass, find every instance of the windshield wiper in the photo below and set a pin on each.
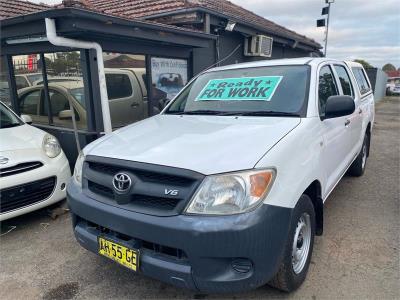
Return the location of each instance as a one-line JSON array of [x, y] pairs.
[[236, 113], [198, 112], [266, 113]]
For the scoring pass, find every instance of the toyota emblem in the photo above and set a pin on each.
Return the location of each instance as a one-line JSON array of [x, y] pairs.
[[122, 183]]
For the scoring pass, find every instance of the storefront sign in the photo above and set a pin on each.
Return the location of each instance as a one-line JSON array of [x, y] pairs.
[[168, 75]]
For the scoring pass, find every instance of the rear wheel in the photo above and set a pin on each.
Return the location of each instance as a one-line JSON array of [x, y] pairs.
[[298, 249], [357, 168]]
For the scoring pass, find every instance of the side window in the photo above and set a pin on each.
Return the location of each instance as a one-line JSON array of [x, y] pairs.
[[118, 86], [58, 103], [361, 80], [61, 112], [327, 87], [21, 82], [345, 81], [28, 103]]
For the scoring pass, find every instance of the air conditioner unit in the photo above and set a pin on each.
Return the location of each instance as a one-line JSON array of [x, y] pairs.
[[258, 45]]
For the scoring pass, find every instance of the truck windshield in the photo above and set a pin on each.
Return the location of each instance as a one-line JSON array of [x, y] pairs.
[[261, 91]]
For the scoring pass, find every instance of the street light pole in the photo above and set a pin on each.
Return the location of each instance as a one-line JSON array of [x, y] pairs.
[[329, 2]]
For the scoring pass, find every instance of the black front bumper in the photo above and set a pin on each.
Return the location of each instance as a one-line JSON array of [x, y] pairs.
[[222, 254]]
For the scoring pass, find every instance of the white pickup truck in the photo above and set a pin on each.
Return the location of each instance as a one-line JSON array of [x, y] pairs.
[[224, 190]]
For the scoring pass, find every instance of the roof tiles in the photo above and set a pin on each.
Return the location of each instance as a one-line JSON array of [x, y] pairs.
[[148, 8], [13, 8], [145, 9]]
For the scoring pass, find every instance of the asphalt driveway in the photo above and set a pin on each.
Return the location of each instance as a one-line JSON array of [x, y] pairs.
[[357, 257]]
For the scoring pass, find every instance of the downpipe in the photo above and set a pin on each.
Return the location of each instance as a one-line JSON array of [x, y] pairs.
[[52, 37]]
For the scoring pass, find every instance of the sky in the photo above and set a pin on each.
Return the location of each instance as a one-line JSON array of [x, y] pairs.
[[364, 29]]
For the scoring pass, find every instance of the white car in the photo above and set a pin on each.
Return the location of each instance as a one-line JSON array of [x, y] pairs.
[[396, 89], [224, 190], [33, 169]]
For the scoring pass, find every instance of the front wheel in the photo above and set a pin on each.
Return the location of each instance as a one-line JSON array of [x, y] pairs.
[[298, 249]]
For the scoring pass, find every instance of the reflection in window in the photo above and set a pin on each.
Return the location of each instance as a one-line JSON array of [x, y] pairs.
[[29, 103], [65, 78], [79, 95], [126, 87], [27, 70], [66, 88], [118, 86], [58, 102], [21, 82], [327, 87]]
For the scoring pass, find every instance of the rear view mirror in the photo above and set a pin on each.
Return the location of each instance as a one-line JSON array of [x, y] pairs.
[[27, 119], [65, 114], [339, 106]]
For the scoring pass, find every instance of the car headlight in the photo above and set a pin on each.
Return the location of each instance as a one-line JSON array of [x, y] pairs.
[[231, 193], [51, 146], [78, 168]]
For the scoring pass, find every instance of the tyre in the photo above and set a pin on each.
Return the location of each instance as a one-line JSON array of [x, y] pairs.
[[299, 246], [357, 168]]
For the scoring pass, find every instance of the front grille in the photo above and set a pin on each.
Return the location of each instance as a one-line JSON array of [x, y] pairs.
[[155, 202], [156, 190], [20, 168], [142, 174], [100, 189], [158, 203], [26, 194]]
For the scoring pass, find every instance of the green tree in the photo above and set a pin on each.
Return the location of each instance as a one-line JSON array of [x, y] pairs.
[[364, 63], [388, 67]]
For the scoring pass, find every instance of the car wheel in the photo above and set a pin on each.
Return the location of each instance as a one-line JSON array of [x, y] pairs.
[[357, 168], [298, 249]]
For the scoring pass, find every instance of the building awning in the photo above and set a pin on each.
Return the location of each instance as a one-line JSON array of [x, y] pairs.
[[86, 25]]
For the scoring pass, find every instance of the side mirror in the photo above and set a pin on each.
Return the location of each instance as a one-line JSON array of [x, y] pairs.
[[27, 119], [339, 106], [65, 114]]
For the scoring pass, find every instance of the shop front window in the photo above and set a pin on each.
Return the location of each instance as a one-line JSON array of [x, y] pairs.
[[28, 75], [126, 88], [168, 77], [65, 96]]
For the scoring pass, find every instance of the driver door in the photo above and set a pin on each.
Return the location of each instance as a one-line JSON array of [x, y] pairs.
[[336, 131]]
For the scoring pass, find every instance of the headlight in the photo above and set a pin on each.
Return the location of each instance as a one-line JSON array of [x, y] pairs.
[[231, 193], [51, 146], [78, 168]]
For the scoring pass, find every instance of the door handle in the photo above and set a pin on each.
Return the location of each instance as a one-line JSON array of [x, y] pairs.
[[135, 104], [347, 122]]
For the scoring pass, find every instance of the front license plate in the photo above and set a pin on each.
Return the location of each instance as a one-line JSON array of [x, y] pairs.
[[121, 254]]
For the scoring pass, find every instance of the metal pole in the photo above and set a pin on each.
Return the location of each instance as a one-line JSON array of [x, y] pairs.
[[46, 89], [327, 28], [56, 40]]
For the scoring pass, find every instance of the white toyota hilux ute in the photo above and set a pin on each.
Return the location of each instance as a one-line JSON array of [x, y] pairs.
[[224, 190]]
